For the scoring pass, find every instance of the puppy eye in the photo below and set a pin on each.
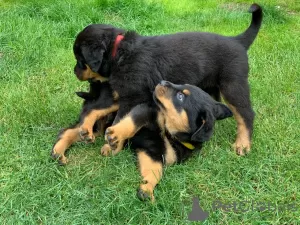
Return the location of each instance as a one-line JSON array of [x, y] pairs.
[[180, 96]]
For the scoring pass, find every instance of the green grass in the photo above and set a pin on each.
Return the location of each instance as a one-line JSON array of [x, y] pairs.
[[37, 99]]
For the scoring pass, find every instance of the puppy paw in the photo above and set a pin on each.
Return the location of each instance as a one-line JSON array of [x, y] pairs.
[[86, 135], [114, 136], [61, 158], [241, 147], [106, 150], [144, 193]]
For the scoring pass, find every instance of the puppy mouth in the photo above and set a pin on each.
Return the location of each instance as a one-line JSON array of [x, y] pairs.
[[160, 90]]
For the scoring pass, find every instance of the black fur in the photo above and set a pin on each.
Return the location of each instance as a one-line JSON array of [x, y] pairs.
[[213, 62], [199, 107], [99, 96]]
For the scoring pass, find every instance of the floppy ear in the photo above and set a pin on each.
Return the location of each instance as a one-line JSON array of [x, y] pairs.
[[221, 111], [84, 95], [93, 57], [205, 131]]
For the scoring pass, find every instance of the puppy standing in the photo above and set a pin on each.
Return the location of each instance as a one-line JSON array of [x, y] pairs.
[[135, 64]]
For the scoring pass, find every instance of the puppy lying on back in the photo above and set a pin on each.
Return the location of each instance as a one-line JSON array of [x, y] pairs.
[[168, 132], [99, 101]]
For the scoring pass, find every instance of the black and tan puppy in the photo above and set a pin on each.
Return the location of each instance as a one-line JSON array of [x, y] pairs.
[[170, 131], [97, 113], [135, 64]]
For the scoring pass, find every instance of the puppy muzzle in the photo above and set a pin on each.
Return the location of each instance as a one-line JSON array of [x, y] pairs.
[[160, 90]]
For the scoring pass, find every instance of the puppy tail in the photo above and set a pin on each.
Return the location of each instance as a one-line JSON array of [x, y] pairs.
[[247, 38]]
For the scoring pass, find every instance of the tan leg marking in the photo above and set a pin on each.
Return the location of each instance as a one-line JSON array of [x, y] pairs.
[[116, 135], [170, 156], [106, 150], [66, 139], [151, 173], [242, 142], [86, 128]]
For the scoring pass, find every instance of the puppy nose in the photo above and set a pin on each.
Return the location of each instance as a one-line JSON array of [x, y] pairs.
[[164, 83]]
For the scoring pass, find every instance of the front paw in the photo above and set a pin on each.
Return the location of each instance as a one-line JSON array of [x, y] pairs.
[[106, 150], [242, 147], [113, 137], [86, 135], [144, 193], [60, 157]]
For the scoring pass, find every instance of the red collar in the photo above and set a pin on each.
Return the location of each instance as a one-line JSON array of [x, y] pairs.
[[119, 38]]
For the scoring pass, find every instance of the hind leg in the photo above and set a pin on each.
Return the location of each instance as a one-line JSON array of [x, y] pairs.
[[237, 94], [126, 128], [88, 121], [64, 140], [151, 172], [69, 136]]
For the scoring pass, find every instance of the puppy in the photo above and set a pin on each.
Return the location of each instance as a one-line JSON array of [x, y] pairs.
[[169, 131], [98, 112], [135, 64]]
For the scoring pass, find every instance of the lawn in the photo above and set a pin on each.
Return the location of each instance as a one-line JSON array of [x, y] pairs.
[[37, 100]]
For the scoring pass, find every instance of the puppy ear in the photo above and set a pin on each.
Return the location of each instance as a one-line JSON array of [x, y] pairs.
[[93, 57], [205, 131], [221, 111], [84, 95]]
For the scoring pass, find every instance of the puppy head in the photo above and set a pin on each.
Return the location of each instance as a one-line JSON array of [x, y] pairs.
[[92, 49], [189, 112]]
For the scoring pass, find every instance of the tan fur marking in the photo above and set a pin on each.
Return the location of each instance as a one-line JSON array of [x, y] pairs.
[[161, 122], [170, 156], [174, 121], [243, 138], [106, 150], [177, 122], [93, 116], [67, 138], [88, 74], [124, 129], [120, 132], [186, 92], [151, 173], [115, 95]]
